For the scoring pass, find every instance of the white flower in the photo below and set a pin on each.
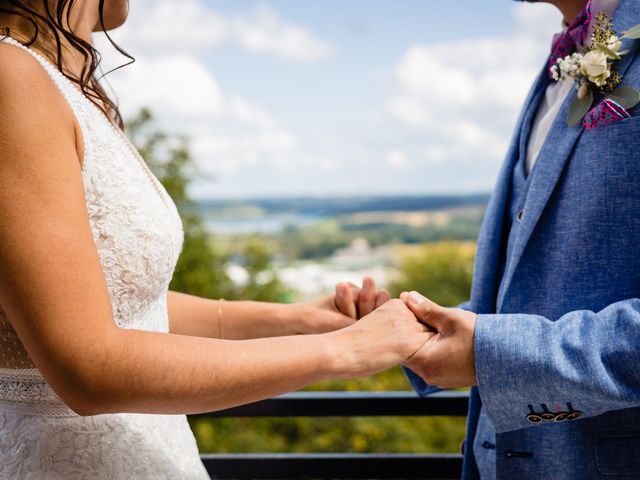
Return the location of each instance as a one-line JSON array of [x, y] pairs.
[[569, 66], [594, 66], [614, 44], [555, 73]]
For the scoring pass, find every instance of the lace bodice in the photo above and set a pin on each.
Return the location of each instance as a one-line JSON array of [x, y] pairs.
[[135, 225], [138, 235]]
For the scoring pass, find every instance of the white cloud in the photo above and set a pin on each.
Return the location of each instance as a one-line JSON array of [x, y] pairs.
[[434, 153], [158, 27], [178, 85], [264, 32], [245, 112], [427, 73], [228, 152], [328, 164], [407, 109], [446, 120], [228, 133], [463, 97], [397, 159]]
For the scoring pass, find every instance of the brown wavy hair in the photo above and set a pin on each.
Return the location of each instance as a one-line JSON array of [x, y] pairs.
[[52, 21]]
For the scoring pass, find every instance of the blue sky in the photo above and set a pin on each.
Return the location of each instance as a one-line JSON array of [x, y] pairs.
[[299, 97]]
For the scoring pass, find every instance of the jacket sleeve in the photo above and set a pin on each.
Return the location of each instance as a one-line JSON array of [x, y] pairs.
[[534, 371], [418, 384]]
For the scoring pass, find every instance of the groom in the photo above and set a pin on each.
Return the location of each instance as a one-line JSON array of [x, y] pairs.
[[552, 348]]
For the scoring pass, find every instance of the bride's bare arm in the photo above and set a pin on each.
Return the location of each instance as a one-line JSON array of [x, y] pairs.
[[53, 291], [201, 317]]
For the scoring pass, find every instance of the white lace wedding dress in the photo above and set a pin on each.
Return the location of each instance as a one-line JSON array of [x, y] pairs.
[[138, 235]]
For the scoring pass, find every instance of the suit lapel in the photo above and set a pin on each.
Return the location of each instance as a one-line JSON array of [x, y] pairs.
[[557, 150], [486, 281], [545, 175]]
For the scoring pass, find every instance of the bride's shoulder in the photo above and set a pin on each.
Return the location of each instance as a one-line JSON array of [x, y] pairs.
[[29, 95], [20, 70]]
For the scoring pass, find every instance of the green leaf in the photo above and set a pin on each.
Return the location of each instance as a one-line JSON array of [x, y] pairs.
[[632, 33], [579, 108], [627, 97], [609, 53]]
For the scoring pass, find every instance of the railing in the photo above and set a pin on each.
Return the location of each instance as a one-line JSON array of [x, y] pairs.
[[337, 465]]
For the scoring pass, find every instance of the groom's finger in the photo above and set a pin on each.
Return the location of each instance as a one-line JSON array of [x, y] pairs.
[[367, 298], [345, 300], [425, 310]]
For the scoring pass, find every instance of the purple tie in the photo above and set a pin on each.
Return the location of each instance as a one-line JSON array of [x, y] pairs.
[[567, 42]]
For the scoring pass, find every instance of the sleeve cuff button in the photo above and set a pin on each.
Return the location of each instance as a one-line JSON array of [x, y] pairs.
[[534, 418]]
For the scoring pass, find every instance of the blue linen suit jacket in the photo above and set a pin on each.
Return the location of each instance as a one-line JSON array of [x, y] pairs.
[[559, 327]]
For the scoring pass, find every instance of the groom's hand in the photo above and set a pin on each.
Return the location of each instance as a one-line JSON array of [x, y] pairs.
[[447, 359]]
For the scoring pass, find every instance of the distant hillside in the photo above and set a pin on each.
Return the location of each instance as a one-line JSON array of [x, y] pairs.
[[332, 206]]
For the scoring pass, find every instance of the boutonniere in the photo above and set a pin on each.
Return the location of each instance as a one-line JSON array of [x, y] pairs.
[[595, 73]]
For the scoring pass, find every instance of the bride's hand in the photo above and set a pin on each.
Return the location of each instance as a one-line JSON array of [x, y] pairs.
[[387, 337], [358, 302], [343, 308]]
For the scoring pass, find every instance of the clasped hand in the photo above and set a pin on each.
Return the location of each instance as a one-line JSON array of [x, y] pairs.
[[348, 304], [446, 360], [444, 357]]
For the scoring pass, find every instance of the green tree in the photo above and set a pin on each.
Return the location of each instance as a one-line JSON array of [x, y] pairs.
[[441, 271], [263, 283], [201, 269]]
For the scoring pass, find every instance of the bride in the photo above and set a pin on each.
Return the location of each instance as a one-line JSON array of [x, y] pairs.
[[99, 362]]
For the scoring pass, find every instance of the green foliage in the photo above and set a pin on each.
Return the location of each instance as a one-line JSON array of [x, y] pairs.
[[316, 241], [359, 434], [441, 271], [632, 34], [200, 269], [263, 284], [391, 380], [351, 434], [626, 97], [320, 240], [579, 108]]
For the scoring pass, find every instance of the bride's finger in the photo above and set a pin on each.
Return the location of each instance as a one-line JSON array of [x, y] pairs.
[[367, 299], [345, 301], [382, 297]]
